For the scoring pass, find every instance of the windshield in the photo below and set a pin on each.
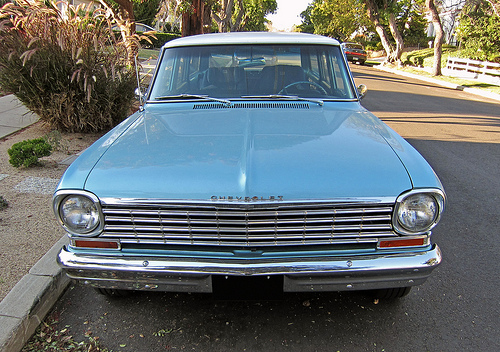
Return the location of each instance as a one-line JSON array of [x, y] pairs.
[[234, 71]]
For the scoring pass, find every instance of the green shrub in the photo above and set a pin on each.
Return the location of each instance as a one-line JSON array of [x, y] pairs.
[[373, 45], [70, 70], [26, 153]]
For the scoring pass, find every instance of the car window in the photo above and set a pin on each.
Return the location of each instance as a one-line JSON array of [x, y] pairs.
[[233, 71]]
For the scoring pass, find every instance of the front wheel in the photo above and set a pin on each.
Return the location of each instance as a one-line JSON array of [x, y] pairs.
[[391, 293]]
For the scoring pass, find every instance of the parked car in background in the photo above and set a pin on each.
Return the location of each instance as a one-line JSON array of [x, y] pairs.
[[354, 52], [139, 27], [251, 156]]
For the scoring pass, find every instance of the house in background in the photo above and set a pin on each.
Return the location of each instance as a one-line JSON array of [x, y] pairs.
[[449, 12]]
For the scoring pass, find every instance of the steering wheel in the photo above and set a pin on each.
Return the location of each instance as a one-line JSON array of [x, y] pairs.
[[284, 90]]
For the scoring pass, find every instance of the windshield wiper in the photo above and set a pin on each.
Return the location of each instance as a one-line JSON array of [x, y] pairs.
[[193, 96], [284, 97]]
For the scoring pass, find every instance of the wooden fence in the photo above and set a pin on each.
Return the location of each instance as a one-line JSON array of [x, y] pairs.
[[483, 71]]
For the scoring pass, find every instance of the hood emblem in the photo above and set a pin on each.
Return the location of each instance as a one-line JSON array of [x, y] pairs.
[[247, 199]]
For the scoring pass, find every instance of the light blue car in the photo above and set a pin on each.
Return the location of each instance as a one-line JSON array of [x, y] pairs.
[[251, 156]]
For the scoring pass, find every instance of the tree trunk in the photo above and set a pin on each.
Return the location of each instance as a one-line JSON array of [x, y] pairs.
[[495, 4], [396, 54], [192, 23], [236, 26], [207, 18], [438, 41], [373, 14], [224, 18]]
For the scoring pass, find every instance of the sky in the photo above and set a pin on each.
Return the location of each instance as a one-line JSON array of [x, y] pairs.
[[288, 14]]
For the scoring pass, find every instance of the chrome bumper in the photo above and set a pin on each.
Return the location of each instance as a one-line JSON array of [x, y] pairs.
[[300, 274]]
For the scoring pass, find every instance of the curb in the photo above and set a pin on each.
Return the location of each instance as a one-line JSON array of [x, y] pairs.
[[26, 305], [15, 116], [475, 91]]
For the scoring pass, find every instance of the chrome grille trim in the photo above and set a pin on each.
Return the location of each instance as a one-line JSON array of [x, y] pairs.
[[243, 224]]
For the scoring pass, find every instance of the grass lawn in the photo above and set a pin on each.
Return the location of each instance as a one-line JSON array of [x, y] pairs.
[[145, 54], [460, 81], [426, 58]]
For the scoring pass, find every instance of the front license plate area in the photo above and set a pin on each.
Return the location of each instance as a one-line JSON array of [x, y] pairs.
[[247, 287]]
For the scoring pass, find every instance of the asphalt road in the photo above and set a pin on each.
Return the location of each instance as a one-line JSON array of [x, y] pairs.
[[457, 309]]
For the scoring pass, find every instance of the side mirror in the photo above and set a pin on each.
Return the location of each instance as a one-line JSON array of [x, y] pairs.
[[362, 89]]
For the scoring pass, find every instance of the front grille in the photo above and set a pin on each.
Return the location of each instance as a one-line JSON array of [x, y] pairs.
[[248, 224]]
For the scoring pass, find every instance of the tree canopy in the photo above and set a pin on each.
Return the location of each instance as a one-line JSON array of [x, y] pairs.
[[479, 31], [392, 20], [338, 18]]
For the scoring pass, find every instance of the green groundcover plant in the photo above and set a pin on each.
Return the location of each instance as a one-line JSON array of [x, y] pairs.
[[27, 153], [69, 68]]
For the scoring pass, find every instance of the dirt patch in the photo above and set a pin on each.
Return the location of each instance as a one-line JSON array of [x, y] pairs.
[[28, 228]]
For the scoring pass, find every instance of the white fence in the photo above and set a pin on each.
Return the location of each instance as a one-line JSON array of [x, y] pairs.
[[483, 71]]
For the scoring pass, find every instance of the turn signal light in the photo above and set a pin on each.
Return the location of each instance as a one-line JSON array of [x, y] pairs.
[[95, 244], [408, 242]]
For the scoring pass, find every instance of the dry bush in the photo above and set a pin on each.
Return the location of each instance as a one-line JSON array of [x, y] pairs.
[[69, 69]]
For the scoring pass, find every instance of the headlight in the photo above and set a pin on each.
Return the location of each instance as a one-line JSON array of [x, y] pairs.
[[418, 211], [79, 212]]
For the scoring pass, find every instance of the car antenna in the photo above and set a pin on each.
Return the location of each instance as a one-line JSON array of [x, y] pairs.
[[138, 90]]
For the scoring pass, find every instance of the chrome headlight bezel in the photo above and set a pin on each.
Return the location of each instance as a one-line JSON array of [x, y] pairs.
[[91, 200], [436, 199]]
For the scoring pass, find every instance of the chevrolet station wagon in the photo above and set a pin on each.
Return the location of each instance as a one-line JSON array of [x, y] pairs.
[[251, 156]]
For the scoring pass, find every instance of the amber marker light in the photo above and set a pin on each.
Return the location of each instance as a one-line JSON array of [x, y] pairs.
[[407, 242], [95, 244]]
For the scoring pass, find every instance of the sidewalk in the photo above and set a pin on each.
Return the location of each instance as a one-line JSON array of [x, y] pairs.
[[14, 116]]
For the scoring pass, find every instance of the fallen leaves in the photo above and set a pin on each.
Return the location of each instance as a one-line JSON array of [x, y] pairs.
[[164, 332]]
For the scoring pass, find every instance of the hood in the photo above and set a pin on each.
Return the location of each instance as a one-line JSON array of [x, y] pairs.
[[294, 151]]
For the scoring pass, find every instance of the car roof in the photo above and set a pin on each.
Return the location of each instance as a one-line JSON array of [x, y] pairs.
[[234, 38]]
